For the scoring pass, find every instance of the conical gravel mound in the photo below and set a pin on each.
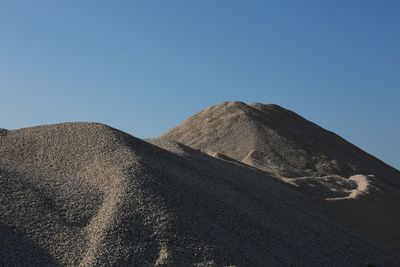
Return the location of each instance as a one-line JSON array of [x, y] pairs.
[[275, 140], [361, 188]]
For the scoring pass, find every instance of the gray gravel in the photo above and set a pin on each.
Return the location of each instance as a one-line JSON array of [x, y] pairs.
[[87, 194]]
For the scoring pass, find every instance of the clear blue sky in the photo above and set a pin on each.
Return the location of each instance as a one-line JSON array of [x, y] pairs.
[[143, 66]]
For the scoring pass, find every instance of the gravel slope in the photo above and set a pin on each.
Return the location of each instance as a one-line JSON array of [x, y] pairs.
[[87, 194]]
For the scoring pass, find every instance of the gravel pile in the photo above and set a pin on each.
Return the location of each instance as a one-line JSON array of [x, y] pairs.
[[87, 194], [287, 146]]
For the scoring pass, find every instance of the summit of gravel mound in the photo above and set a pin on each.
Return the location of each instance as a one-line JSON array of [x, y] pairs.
[[276, 140]]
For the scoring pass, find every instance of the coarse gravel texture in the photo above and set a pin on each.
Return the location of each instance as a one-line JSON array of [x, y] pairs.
[[87, 194], [290, 148]]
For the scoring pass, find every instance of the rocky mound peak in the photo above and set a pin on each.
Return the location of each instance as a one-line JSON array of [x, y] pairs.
[[283, 142]]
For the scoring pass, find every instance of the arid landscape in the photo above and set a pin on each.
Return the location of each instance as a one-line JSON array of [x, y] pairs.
[[200, 133], [234, 185]]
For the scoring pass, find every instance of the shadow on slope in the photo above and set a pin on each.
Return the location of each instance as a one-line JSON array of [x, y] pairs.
[[16, 249]]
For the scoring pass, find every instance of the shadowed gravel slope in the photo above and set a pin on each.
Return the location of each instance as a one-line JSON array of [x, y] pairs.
[[87, 194]]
